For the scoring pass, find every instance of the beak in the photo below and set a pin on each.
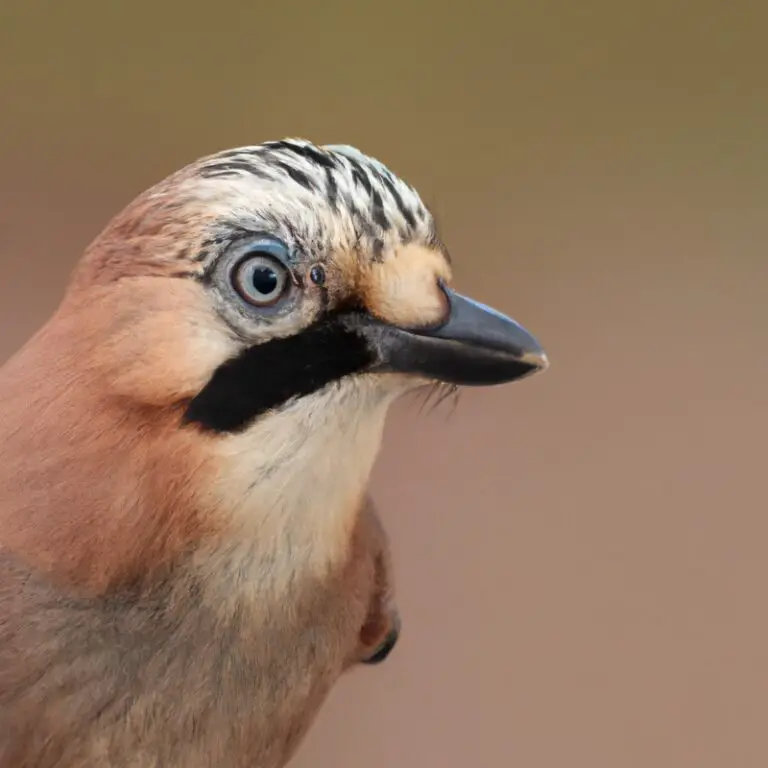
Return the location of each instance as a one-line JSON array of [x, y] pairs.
[[474, 346]]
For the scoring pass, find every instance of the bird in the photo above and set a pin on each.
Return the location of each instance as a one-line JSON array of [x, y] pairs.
[[190, 556]]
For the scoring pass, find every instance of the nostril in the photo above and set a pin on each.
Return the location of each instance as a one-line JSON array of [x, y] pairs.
[[381, 653]]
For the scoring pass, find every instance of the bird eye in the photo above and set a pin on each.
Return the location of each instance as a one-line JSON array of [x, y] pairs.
[[261, 279], [317, 274]]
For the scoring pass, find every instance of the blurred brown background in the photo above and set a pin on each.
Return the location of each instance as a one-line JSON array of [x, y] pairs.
[[581, 557]]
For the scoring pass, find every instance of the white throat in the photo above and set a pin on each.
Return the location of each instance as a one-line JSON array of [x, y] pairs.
[[294, 481]]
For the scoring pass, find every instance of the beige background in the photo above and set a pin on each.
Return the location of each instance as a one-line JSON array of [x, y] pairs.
[[581, 557]]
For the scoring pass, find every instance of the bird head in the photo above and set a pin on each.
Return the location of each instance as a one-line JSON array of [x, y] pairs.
[[265, 305], [304, 270]]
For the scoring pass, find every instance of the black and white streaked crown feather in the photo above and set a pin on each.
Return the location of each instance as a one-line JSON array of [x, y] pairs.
[[383, 208]]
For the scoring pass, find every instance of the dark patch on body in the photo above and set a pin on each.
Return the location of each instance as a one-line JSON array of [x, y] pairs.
[[407, 214], [266, 376], [331, 188], [385, 649], [218, 169], [298, 176], [378, 210], [359, 175], [312, 154]]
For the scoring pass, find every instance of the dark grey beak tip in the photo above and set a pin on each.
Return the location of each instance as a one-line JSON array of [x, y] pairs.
[[479, 325]]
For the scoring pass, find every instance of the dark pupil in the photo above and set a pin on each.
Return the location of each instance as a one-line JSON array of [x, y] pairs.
[[318, 275], [264, 280]]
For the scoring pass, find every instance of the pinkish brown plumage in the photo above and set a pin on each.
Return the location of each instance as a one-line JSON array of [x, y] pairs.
[[188, 555]]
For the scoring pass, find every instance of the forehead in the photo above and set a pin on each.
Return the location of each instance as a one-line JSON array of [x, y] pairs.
[[332, 197]]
